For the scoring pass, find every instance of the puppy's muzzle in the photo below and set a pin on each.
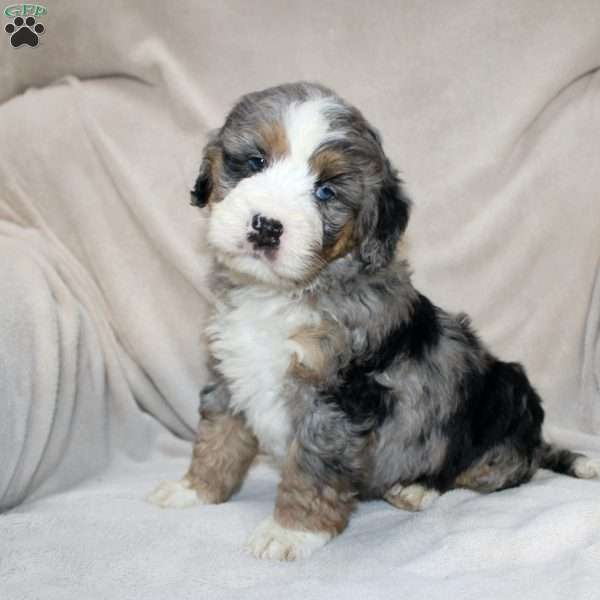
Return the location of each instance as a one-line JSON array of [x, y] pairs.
[[265, 233]]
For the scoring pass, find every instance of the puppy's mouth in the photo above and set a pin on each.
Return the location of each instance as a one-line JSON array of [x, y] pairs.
[[266, 246], [269, 253], [252, 250], [268, 263]]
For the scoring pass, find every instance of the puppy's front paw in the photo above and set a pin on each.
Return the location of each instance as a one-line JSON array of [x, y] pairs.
[[271, 540], [175, 494]]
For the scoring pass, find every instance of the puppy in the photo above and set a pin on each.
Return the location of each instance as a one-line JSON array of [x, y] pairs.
[[323, 354]]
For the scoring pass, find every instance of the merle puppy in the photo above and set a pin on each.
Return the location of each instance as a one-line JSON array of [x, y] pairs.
[[323, 354]]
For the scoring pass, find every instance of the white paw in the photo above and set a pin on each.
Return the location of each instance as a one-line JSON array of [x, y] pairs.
[[174, 494], [411, 497], [271, 540], [585, 468]]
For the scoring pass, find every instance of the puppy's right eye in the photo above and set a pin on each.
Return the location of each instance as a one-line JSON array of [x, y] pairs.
[[256, 163], [324, 192]]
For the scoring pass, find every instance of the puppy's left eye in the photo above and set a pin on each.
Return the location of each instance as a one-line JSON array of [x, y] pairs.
[[256, 163], [324, 192]]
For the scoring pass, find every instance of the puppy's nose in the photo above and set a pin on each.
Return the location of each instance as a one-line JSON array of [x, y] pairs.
[[266, 232]]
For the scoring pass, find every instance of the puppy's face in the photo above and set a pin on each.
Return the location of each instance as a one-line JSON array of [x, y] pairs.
[[295, 179]]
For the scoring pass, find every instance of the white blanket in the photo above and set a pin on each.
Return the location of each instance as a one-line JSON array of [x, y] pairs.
[[100, 541], [491, 111]]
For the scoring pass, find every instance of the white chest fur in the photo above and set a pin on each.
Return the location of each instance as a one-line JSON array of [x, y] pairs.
[[250, 337]]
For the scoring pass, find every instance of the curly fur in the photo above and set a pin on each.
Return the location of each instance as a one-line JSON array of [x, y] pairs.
[[321, 347]]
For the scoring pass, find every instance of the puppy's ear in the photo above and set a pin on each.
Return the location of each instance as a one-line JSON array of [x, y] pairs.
[[383, 221], [204, 185]]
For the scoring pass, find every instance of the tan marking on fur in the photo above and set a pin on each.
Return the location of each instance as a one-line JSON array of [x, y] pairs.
[[214, 157], [301, 371], [473, 476], [215, 173], [329, 163], [314, 361], [274, 138], [223, 452], [320, 348], [343, 243], [306, 504]]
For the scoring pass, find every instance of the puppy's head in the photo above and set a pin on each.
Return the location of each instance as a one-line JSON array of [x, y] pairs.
[[295, 179]]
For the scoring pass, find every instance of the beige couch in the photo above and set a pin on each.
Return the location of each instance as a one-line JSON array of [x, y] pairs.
[[491, 110]]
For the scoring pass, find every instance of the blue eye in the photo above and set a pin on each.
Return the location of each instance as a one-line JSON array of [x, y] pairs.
[[324, 192], [256, 163]]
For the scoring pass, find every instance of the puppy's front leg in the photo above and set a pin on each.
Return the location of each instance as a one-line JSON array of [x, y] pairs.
[[224, 449], [315, 496]]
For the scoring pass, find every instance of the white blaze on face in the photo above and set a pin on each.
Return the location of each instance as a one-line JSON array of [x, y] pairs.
[[306, 128], [283, 191]]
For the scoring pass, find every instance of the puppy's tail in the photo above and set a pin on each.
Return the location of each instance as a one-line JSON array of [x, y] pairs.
[[567, 462]]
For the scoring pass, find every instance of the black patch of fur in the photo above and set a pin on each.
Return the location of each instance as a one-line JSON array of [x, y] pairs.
[[498, 406], [412, 338], [394, 210], [365, 401], [204, 185], [202, 190]]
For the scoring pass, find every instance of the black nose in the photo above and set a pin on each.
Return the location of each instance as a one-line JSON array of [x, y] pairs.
[[266, 232]]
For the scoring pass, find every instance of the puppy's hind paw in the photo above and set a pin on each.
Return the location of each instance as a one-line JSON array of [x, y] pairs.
[[411, 497], [175, 494], [586, 468], [271, 540]]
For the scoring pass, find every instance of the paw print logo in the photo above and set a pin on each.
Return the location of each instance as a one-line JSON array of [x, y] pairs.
[[24, 32]]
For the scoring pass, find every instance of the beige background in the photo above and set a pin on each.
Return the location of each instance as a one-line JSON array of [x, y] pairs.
[[491, 110]]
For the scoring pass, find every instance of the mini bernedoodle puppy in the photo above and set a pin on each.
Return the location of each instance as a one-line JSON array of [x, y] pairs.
[[323, 354]]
